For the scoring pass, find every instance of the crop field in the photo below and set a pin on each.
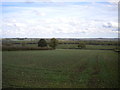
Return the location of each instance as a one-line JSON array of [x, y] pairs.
[[60, 68]]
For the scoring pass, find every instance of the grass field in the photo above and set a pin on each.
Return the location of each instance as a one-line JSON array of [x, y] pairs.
[[66, 46], [60, 69]]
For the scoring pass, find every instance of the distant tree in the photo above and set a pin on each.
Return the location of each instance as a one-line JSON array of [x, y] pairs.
[[53, 43], [81, 45], [42, 43]]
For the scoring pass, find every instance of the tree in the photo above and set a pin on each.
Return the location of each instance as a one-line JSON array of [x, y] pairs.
[[42, 43], [81, 45], [53, 43]]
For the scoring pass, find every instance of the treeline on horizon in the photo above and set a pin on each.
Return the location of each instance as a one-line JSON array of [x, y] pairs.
[[87, 42], [22, 44]]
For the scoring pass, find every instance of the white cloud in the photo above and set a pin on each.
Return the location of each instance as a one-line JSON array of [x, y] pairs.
[[114, 24], [54, 26], [67, 21], [113, 1], [110, 24], [39, 13]]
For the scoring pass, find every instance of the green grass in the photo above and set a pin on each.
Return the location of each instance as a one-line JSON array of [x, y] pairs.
[[60, 69], [101, 47], [65, 46]]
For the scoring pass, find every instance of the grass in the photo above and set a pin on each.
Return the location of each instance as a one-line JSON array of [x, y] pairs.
[[65, 46], [15, 48], [60, 69]]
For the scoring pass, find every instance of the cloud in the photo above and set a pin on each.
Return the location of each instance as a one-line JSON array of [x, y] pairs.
[[39, 13], [110, 25], [58, 26], [113, 1], [89, 20]]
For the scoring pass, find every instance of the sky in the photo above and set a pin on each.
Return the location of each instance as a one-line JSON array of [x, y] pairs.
[[61, 19]]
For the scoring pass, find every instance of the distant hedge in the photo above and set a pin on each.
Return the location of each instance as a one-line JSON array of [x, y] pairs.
[[13, 48]]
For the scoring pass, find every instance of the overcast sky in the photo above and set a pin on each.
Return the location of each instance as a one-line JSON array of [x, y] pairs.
[[60, 19]]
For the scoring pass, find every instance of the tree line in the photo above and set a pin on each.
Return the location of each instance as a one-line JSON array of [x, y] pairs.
[[53, 43], [90, 42]]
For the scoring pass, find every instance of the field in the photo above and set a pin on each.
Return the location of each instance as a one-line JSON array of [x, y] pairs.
[[62, 46], [60, 68]]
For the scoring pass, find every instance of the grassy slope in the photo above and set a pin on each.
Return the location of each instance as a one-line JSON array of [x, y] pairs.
[[60, 68]]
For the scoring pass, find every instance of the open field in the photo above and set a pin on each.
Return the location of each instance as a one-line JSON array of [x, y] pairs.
[[92, 47], [68, 46], [62, 68]]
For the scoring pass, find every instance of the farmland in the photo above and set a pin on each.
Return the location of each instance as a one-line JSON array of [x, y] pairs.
[[60, 68]]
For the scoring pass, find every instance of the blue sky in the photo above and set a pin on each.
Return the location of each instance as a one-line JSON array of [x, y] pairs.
[[59, 19]]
